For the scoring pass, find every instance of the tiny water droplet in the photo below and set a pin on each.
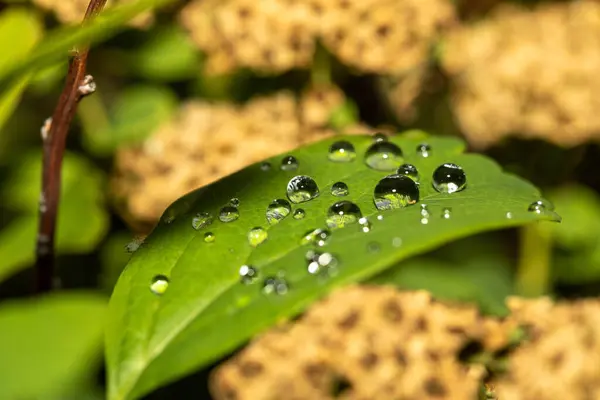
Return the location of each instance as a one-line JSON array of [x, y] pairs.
[[424, 210], [449, 178], [342, 213], [289, 163], [278, 210], [275, 285], [302, 188], [235, 202], [423, 149], [395, 191], [541, 206], [248, 274], [380, 137], [257, 235], [380, 217], [134, 245], [169, 216], [322, 264], [202, 220], [209, 237], [396, 242], [340, 189], [410, 171], [229, 214], [424, 220], [319, 237], [373, 247], [341, 151], [299, 213], [159, 284], [509, 215], [383, 156], [446, 213], [365, 224], [265, 166]]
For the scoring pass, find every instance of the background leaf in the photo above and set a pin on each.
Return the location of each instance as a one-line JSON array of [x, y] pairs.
[[50, 345], [206, 311]]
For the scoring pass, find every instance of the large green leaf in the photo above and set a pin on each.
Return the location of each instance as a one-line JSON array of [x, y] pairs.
[[206, 312], [51, 345]]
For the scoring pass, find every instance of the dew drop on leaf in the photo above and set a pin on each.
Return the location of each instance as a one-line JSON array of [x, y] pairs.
[[383, 156], [449, 178], [289, 163], [423, 149], [159, 284], [365, 224], [373, 247], [248, 274], [302, 188], [446, 213], [275, 285], [380, 137], [318, 237], [299, 213], [229, 214], [395, 191], [340, 189], [209, 237], [235, 202], [322, 264], [380, 217], [509, 215], [540, 206], [343, 213], [341, 151], [256, 236], [409, 170], [202, 220], [396, 242], [425, 210], [278, 210], [265, 166]]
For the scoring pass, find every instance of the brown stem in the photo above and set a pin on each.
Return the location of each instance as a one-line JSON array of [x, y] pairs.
[[54, 135]]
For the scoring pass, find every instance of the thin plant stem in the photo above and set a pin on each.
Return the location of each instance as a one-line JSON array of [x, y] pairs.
[[535, 256]]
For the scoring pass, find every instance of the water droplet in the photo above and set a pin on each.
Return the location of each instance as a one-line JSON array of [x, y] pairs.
[[380, 217], [541, 206], [289, 163], [229, 214], [373, 247], [248, 274], [395, 191], [159, 284], [424, 210], [383, 156], [134, 245], [396, 242], [341, 151], [449, 178], [424, 220], [256, 236], [265, 166], [446, 213], [343, 213], [423, 149], [209, 237], [169, 216], [340, 189], [365, 224], [322, 264], [299, 213], [302, 188], [202, 220], [235, 202], [380, 137], [410, 171], [509, 215], [320, 237], [278, 210], [275, 285]]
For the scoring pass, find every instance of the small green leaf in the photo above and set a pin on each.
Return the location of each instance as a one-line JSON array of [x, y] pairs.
[[206, 312], [49, 345], [82, 219]]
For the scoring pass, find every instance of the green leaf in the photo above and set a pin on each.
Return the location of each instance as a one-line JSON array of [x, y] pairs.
[[82, 219], [206, 311], [49, 345], [56, 44]]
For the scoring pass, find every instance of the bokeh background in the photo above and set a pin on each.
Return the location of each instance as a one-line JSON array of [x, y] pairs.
[[199, 89]]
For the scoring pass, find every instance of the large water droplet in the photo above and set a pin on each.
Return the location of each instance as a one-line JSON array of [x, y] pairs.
[[446, 213], [202, 220], [256, 236], [278, 210], [302, 188], [410, 171], [229, 214], [159, 284], [275, 285], [248, 274], [343, 213], [265, 166], [423, 149], [340, 189], [235, 202], [209, 237], [383, 156], [395, 191], [289, 163], [342, 151], [449, 178], [541, 206], [299, 213], [319, 237]]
